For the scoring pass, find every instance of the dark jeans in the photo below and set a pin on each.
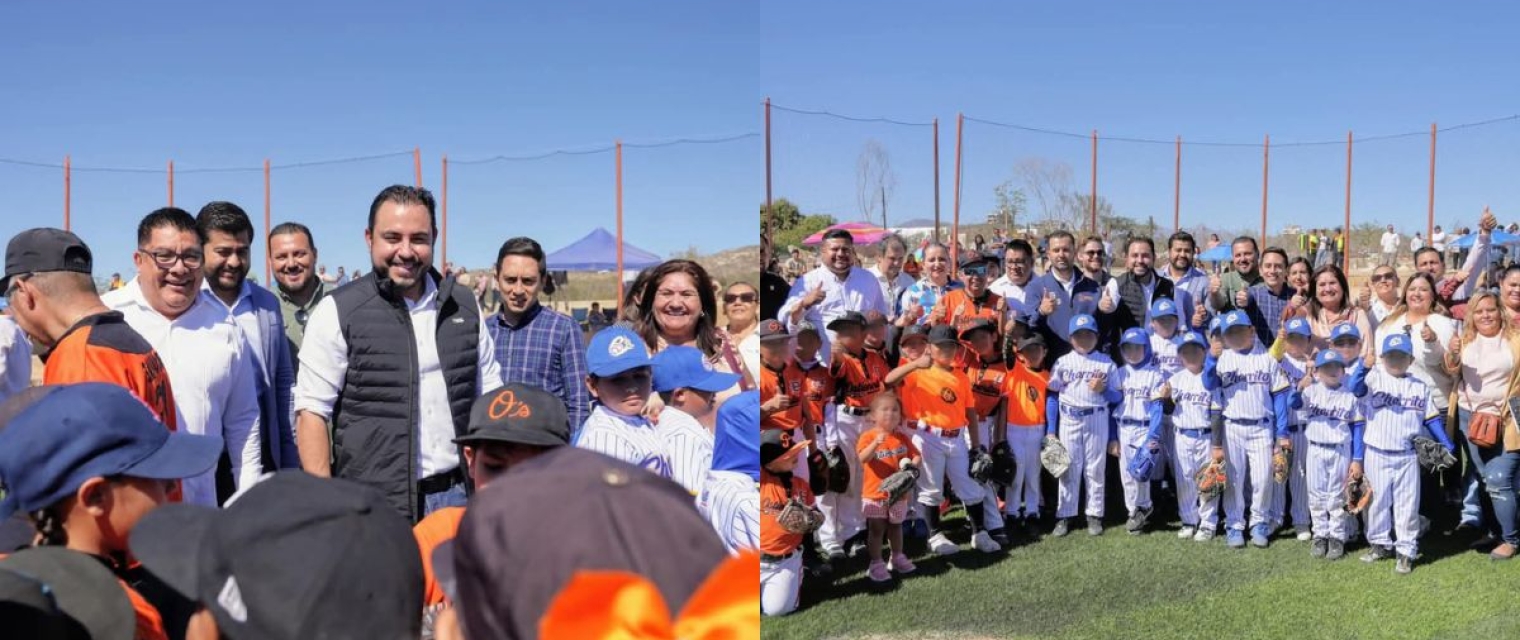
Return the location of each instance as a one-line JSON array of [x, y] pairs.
[[1497, 469]]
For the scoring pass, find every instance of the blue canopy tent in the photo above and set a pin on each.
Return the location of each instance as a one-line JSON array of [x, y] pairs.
[[1220, 253], [1500, 237], [598, 252]]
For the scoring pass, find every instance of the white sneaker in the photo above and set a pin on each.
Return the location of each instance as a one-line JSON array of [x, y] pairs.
[[984, 543], [1186, 532], [1305, 535], [1204, 535], [943, 546]]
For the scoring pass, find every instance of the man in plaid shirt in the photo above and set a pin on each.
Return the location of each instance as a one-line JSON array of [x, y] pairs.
[[534, 345], [1266, 301]]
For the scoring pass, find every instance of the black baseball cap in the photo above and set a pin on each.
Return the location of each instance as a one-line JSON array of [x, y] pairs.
[[82, 589], [526, 535], [28, 610], [971, 259], [773, 331], [1032, 340], [778, 443], [849, 317], [942, 334], [518, 414], [914, 331], [42, 250], [294, 556], [977, 324]]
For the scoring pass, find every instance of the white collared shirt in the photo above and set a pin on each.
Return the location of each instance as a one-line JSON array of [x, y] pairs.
[[211, 369], [859, 291], [633, 440], [689, 446], [15, 358], [324, 368], [1014, 294], [730, 501], [241, 312], [891, 290]]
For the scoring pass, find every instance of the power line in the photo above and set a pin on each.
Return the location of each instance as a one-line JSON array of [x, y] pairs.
[[1214, 143], [293, 165], [606, 148], [831, 114]]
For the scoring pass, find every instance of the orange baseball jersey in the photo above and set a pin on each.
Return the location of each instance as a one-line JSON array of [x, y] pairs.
[[1025, 390], [817, 393], [775, 541], [987, 385], [437, 528], [958, 308], [786, 381], [937, 397], [150, 623], [104, 348], [887, 460], [859, 377]]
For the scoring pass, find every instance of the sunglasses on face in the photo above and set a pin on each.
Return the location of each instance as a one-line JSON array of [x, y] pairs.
[[1092, 253], [977, 271], [747, 298], [1384, 277]]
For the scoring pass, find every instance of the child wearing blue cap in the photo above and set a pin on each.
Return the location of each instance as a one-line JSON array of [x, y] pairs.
[[1398, 408], [1254, 400], [1193, 395], [1082, 387], [1291, 348], [1333, 431], [619, 379], [1164, 336], [1138, 420], [689, 391]]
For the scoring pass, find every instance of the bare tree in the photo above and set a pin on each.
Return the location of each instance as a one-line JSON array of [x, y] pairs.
[[1046, 183], [874, 181]]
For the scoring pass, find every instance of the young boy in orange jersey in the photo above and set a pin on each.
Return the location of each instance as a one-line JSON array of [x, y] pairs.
[[858, 374], [986, 370], [780, 550], [1024, 389]]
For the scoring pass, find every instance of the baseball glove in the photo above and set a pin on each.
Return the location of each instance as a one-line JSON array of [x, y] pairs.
[[818, 472], [1054, 456], [1358, 495], [797, 517], [1432, 455], [1282, 462], [1003, 465], [899, 484], [1145, 464], [981, 465], [1211, 480], [839, 471]]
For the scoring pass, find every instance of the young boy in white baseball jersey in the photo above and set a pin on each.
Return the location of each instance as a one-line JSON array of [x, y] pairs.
[[1398, 407], [619, 381], [1193, 395], [1292, 350], [1334, 434], [883, 451], [730, 498], [688, 389], [1138, 418], [858, 374], [1025, 388], [1082, 386], [1253, 396], [1165, 337]]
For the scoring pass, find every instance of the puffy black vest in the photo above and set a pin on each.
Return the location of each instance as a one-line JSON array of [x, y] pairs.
[[375, 420]]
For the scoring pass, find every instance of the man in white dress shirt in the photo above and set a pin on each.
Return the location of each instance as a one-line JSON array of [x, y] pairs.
[[209, 361], [824, 294], [394, 361], [1390, 244], [1018, 269], [889, 272]]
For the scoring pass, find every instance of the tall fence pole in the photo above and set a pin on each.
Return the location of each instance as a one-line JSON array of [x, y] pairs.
[[620, 227], [1430, 207], [955, 220], [1266, 161], [444, 202], [1346, 250], [267, 227], [171, 183], [1177, 190], [68, 187], [765, 220], [936, 180], [1093, 195], [417, 164]]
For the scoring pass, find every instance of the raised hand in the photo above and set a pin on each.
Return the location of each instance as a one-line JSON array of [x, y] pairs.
[[1426, 333], [1048, 303], [1214, 284], [924, 362], [1200, 316], [1364, 299], [1098, 383], [1106, 303], [781, 402], [1488, 222], [1308, 379], [1242, 299], [1216, 346], [813, 297]]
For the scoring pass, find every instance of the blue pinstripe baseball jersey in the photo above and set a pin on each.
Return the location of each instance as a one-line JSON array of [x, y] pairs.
[[1192, 400], [632, 440], [1072, 374], [1295, 370], [1396, 410], [1139, 386], [1164, 351], [1248, 381], [1329, 413], [689, 447], [731, 502]]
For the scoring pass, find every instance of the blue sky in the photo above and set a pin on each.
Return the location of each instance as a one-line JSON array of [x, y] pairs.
[[228, 84], [1219, 71]]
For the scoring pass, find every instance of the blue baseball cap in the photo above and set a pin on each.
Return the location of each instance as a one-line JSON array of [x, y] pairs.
[[76, 432], [1214, 324], [614, 350], [1082, 322], [1297, 327], [684, 368], [1329, 357], [1397, 342], [1163, 307], [1236, 318], [1193, 338], [1136, 336], [1345, 330]]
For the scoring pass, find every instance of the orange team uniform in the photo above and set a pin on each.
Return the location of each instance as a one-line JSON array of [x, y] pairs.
[[1025, 390], [437, 528], [888, 460], [817, 393], [937, 397], [150, 623], [958, 308], [774, 540], [787, 381], [860, 377], [104, 348], [986, 385]]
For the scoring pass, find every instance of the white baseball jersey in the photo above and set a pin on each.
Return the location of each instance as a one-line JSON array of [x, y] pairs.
[[1247, 382], [1072, 374], [1329, 413], [1138, 386], [731, 502], [631, 439], [1295, 370], [689, 446], [1192, 400], [1164, 350], [1396, 410]]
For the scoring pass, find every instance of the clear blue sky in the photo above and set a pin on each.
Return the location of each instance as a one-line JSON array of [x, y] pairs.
[[229, 84], [1218, 71]]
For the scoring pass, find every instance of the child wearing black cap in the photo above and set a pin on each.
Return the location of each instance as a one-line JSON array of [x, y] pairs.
[[780, 557], [858, 374]]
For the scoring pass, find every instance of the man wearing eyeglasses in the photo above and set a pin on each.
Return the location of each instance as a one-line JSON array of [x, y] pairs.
[[292, 253], [1093, 260], [210, 363]]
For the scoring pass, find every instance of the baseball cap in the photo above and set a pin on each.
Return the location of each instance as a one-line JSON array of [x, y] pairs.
[[86, 430], [943, 334], [1327, 357], [971, 259], [685, 368], [1214, 324], [614, 350], [807, 326], [773, 331], [294, 556], [42, 250], [1297, 327], [1163, 307], [1082, 322], [976, 325], [1135, 336], [1031, 340], [78, 586], [1193, 338], [874, 318], [1397, 343], [1345, 330], [519, 414], [914, 331], [1236, 318], [525, 537], [736, 435], [27, 608], [849, 317], [778, 443]]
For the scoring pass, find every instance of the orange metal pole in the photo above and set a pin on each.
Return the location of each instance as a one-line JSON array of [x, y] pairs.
[[766, 221], [267, 226], [443, 202], [1430, 210], [955, 223], [171, 183], [68, 180], [1346, 249], [1177, 190], [417, 164], [936, 180], [1266, 152], [1093, 205], [620, 227]]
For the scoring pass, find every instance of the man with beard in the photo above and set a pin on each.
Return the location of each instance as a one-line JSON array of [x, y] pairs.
[[1060, 294], [292, 252], [1094, 260], [1126, 300], [535, 346], [1185, 276], [825, 294], [226, 237], [1222, 289], [211, 366], [393, 361]]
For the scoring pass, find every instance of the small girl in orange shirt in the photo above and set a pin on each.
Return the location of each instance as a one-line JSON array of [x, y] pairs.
[[884, 450]]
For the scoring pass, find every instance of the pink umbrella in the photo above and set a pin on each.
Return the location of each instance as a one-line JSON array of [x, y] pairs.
[[862, 232]]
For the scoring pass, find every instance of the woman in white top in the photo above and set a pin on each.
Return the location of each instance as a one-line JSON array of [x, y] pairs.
[[1419, 317], [740, 306], [1483, 358]]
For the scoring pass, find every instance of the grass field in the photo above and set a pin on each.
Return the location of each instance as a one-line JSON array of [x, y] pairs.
[[1159, 586]]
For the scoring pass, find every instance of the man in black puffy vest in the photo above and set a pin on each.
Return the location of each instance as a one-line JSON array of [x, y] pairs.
[[393, 362], [1126, 300]]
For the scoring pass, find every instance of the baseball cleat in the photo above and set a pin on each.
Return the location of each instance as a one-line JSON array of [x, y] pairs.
[[1204, 535], [984, 543], [1235, 539], [942, 545], [1186, 532], [1304, 534], [1318, 549], [1063, 527], [1405, 565], [1376, 553], [1094, 526], [1335, 550], [1259, 536]]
